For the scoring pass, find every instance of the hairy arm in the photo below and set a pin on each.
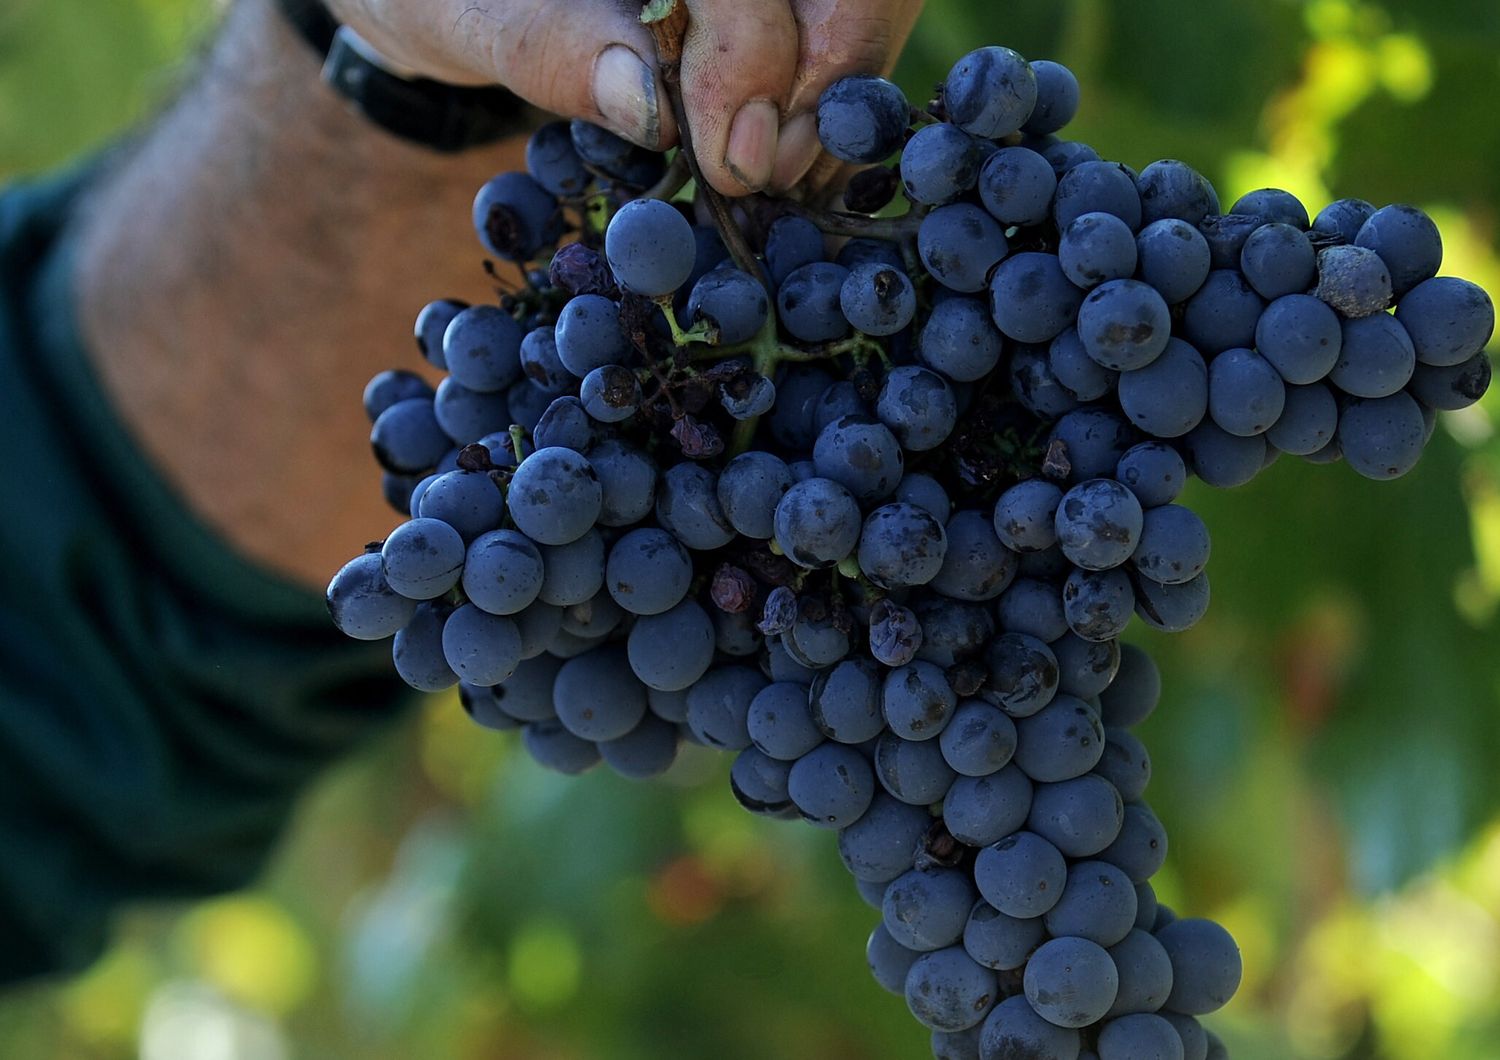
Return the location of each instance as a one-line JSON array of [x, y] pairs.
[[260, 253]]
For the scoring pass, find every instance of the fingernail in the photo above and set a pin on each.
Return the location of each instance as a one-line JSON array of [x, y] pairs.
[[752, 143], [796, 150], [625, 93]]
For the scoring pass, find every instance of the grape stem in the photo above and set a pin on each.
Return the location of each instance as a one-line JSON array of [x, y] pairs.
[[672, 181], [835, 223]]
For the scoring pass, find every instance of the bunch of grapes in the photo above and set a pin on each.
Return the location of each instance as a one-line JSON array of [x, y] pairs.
[[868, 497]]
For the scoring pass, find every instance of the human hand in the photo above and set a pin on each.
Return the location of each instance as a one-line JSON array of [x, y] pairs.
[[752, 70]]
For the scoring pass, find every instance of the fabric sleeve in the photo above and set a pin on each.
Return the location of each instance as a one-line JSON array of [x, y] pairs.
[[162, 700]]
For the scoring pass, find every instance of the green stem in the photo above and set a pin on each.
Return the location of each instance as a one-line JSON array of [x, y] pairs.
[[517, 442]]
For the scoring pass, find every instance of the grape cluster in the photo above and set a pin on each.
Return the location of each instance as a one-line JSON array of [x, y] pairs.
[[875, 520]]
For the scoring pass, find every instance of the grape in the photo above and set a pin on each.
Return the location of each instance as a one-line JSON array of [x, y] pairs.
[[1222, 459], [718, 706], [1223, 313], [862, 119], [1301, 336], [1353, 280], [917, 701], [516, 218], [752, 395], [733, 301], [1098, 524], [552, 161], [983, 810], [1056, 98], [840, 400], [1154, 472], [925, 492], [1377, 357], [1245, 393], [565, 424], [1094, 439], [1097, 187], [1140, 1036], [503, 572], [809, 302], [959, 340], [1080, 817], [990, 92], [1013, 1029], [948, 990], [1447, 319], [889, 961], [979, 739], [650, 247], [1278, 260], [1085, 668], [959, 245], [1064, 155], [1024, 515], [950, 630], [646, 751], [862, 250], [815, 641], [881, 845], [432, 322], [977, 566], [1141, 847], [749, 488], [538, 625], [671, 650], [926, 909], [1173, 547], [467, 415], [648, 571], [1098, 603], [956, 1045], [484, 709], [938, 164], [832, 785], [554, 747], [417, 650], [895, 635], [917, 406], [998, 940], [1097, 247], [482, 348], [817, 522], [526, 403], [469, 501], [407, 438], [483, 649], [1022, 674], [1031, 299], [1132, 696], [554, 496], [1097, 903], [687, 504], [388, 387], [1381, 438], [1205, 965], [1016, 186], [1145, 973], [1038, 390], [1172, 257], [1033, 607], [1061, 741], [574, 572], [1407, 241], [589, 334], [1071, 982], [791, 242], [422, 559], [1173, 190], [1273, 205], [617, 157], [1125, 763], [780, 723], [597, 695], [759, 784], [627, 482], [1452, 388], [1343, 218], [1172, 608], [362, 603], [610, 393], [1226, 236], [1214, 1047], [1022, 875], [1194, 1038], [860, 454], [1085, 378], [913, 771], [901, 545]]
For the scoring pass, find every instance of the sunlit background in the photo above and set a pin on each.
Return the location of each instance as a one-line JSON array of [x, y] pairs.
[[1326, 750]]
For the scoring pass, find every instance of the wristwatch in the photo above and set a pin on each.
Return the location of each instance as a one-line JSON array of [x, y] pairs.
[[440, 116]]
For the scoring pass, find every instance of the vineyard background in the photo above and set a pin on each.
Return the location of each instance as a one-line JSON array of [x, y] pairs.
[[1325, 749]]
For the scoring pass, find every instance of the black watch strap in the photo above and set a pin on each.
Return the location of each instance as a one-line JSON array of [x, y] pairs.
[[440, 116]]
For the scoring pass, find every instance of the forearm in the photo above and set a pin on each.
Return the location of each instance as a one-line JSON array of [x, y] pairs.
[[259, 255]]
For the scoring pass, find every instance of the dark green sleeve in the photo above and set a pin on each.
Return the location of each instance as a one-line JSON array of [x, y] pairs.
[[162, 701]]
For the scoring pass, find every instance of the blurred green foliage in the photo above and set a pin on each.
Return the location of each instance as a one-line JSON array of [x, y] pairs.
[[1324, 751]]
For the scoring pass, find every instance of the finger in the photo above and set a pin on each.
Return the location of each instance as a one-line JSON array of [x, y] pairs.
[[838, 37], [591, 60], [737, 67]]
